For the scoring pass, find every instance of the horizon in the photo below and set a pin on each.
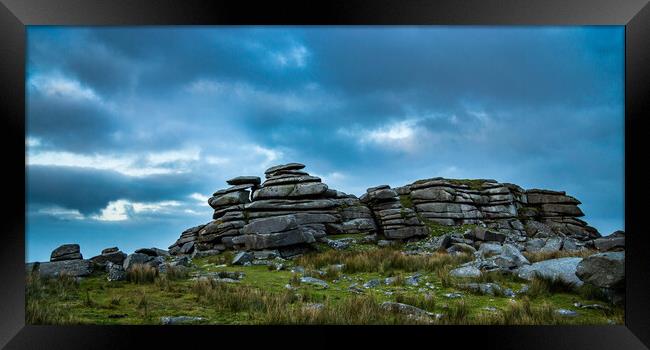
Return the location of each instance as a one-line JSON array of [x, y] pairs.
[[130, 130]]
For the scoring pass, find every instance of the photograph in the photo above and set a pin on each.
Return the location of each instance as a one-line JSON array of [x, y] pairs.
[[325, 175]]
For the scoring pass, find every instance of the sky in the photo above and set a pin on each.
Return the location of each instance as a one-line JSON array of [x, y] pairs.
[[131, 129]]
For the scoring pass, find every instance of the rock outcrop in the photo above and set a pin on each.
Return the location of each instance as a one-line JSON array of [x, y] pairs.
[[292, 209], [289, 208]]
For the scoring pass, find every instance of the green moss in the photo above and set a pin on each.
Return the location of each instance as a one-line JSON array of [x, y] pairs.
[[472, 184], [406, 201], [437, 229]]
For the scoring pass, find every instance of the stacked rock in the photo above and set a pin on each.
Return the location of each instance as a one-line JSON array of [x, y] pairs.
[[458, 202], [113, 255], [504, 207], [66, 252], [559, 213], [395, 221], [290, 208], [185, 244]]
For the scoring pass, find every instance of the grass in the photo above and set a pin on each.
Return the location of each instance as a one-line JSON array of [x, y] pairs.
[[472, 184], [534, 257], [543, 287], [141, 273], [262, 298], [384, 260]]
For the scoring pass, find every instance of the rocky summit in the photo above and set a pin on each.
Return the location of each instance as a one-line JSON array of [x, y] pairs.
[[292, 209]]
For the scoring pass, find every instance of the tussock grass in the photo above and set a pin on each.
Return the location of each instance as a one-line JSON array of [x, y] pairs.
[[541, 256], [422, 301], [40, 308], [174, 273], [543, 287], [141, 273], [382, 260]]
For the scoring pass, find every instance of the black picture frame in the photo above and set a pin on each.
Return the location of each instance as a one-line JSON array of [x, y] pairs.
[[634, 15]]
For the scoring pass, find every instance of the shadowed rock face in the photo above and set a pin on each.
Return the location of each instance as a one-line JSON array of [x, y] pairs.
[[292, 207]]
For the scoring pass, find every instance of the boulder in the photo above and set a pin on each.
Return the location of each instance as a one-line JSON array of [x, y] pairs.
[[406, 232], [461, 248], [314, 281], [110, 250], [404, 309], [483, 234], [489, 249], [510, 257], [116, 257], [136, 258], [563, 269], [552, 245], [152, 251], [175, 320], [465, 272], [610, 242], [244, 180], [66, 252], [241, 258], [605, 270], [270, 225], [187, 248], [116, 272], [290, 179], [74, 268], [534, 245], [228, 199]]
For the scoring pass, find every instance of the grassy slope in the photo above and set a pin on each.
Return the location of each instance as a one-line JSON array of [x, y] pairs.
[[96, 301]]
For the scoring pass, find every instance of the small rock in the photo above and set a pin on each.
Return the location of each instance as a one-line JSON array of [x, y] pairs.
[[314, 281], [565, 312], [371, 284], [453, 295], [465, 272], [174, 320], [241, 258]]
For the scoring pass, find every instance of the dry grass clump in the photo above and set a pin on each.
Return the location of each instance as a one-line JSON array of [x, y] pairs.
[[174, 273], [541, 256], [382, 260], [422, 301], [542, 287], [141, 273], [39, 308]]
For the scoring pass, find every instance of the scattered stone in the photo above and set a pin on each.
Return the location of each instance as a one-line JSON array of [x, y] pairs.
[[453, 295], [372, 283], [314, 281], [565, 312], [465, 272], [176, 320], [404, 309]]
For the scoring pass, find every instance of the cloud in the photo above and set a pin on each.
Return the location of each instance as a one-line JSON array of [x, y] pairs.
[[129, 165], [123, 209], [296, 57], [61, 213]]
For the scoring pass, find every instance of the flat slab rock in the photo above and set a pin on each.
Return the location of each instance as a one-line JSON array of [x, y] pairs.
[[74, 268], [244, 180], [288, 166], [563, 269]]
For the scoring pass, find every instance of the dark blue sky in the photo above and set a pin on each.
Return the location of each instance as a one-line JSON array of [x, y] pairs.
[[129, 130]]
